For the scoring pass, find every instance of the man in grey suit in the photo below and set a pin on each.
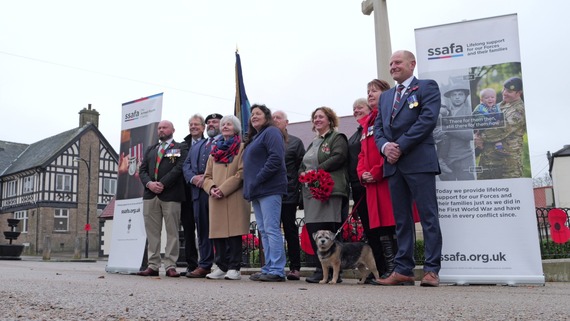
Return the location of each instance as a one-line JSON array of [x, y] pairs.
[[407, 116]]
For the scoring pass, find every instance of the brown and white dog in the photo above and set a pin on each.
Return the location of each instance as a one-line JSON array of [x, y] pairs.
[[337, 255]]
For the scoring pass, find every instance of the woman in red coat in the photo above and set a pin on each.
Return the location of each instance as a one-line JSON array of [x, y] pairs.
[[369, 170]]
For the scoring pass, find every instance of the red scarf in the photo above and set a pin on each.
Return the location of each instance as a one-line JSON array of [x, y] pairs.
[[225, 150]]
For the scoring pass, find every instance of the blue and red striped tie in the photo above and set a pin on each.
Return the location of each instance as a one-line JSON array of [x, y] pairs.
[[397, 101]]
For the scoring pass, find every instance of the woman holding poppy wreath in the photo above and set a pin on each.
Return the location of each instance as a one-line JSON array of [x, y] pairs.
[[229, 213], [328, 152]]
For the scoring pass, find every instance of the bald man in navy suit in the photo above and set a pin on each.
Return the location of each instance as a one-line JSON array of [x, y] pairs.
[[407, 116]]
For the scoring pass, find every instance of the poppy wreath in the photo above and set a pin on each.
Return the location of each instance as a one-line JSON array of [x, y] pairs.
[[319, 182]]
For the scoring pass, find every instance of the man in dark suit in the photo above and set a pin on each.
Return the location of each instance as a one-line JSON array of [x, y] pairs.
[[196, 128], [194, 168], [161, 175], [407, 116]]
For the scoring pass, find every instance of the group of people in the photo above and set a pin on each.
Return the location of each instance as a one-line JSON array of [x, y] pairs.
[[389, 166]]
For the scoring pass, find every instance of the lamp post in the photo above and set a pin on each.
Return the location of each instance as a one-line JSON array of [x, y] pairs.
[[87, 226]]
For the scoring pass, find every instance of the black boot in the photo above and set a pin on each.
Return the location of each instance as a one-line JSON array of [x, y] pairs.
[[389, 249], [316, 277]]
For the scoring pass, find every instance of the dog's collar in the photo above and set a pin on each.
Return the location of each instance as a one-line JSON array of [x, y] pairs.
[[327, 253]]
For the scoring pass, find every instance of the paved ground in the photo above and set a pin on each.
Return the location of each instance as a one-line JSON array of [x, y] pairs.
[[35, 290]]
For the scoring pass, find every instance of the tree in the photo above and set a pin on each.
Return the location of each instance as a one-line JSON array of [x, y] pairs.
[[545, 180]]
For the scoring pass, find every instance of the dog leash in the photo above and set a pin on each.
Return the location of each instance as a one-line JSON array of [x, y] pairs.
[[349, 215]]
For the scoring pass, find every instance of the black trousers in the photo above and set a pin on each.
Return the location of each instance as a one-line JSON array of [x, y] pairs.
[[291, 231], [228, 253], [189, 226]]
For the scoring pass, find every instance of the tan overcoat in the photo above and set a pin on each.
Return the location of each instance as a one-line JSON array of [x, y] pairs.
[[230, 215]]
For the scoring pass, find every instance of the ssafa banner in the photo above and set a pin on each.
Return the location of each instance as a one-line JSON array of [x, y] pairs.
[[140, 120], [485, 197]]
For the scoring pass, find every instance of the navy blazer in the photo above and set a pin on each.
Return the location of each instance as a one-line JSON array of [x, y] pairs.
[[169, 173], [195, 163], [411, 128]]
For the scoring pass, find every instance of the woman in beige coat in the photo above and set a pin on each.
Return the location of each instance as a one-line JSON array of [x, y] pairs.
[[229, 213]]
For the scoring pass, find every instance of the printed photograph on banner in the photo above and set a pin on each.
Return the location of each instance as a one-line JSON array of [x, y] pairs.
[[133, 143], [454, 131], [500, 136], [481, 131]]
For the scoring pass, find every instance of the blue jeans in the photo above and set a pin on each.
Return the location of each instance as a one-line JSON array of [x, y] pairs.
[[268, 216]]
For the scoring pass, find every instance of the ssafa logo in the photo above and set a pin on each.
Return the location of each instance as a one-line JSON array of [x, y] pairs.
[[132, 116], [451, 51]]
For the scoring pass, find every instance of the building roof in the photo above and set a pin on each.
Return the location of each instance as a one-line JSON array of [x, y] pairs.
[[9, 152], [42, 153], [303, 130], [565, 151], [109, 210]]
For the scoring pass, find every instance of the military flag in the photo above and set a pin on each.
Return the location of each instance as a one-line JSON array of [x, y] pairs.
[[241, 107]]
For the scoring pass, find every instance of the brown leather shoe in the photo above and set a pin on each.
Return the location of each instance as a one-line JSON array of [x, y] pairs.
[[199, 272], [148, 272], [396, 279], [172, 273], [430, 279]]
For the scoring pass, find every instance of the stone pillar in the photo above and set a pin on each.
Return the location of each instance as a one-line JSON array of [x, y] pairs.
[[382, 35], [77, 248], [46, 253]]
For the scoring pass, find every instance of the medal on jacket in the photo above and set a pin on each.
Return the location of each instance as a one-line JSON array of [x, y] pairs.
[[413, 101]]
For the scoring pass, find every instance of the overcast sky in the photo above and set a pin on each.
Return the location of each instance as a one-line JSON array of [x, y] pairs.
[[58, 56]]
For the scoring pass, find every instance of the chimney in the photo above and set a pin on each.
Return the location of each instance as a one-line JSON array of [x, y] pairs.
[[88, 115]]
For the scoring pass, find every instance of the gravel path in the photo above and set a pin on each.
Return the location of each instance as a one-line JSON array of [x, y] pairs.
[[32, 290]]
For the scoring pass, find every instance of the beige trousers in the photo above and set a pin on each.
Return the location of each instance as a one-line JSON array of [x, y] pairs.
[[154, 212]]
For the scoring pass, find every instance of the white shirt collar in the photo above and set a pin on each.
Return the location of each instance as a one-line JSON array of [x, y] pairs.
[[407, 82]]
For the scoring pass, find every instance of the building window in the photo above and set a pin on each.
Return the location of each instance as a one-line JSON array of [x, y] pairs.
[[63, 183], [11, 188], [61, 220], [109, 186], [28, 184], [23, 217]]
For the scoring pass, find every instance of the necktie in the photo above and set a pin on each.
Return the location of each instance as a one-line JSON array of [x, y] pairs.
[[159, 156], [397, 101], [209, 142]]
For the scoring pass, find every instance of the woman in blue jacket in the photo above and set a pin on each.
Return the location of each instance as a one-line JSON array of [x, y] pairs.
[[264, 184]]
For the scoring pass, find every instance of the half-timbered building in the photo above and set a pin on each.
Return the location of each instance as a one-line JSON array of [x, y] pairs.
[[46, 185]]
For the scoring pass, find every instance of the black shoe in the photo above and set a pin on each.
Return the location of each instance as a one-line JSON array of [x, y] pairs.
[[370, 279], [318, 276], [255, 276], [315, 278], [271, 278]]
